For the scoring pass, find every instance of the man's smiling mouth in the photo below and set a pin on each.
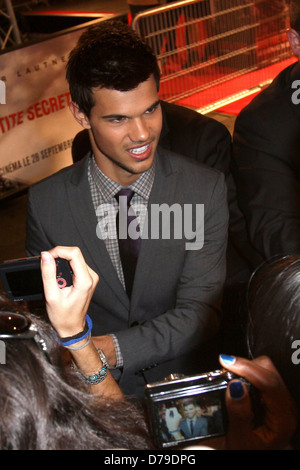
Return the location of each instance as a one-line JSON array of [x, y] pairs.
[[140, 152]]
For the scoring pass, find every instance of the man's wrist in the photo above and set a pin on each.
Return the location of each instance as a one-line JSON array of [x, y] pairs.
[[119, 357], [106, 344]]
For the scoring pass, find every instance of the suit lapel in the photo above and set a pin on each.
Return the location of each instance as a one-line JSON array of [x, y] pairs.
[[83, 214], [164, 140]]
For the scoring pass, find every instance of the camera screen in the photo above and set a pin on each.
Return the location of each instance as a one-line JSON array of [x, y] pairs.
[[25, 283], [189, 418]]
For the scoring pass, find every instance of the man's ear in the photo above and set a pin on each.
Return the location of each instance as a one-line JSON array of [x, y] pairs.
[[294, 40], [80, 117]]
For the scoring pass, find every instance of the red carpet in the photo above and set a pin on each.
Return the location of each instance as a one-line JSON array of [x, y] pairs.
[[68, 12], [230, 89], [235, 107]]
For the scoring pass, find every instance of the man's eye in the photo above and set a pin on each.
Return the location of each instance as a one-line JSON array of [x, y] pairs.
[[152, 109], [118, 119]]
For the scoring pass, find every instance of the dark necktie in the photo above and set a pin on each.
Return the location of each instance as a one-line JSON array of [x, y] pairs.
[[128, 245], [192, 427]]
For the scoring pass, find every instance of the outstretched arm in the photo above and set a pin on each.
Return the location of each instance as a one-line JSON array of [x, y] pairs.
[[67, 310]]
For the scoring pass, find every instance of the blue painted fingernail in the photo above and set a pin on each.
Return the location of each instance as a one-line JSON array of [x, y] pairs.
[[227, 359], [236, 390]]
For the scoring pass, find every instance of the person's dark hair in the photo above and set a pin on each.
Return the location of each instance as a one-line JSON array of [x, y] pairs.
[[274, 317], [45, 406], [188, 401], [294, 7], [108, 55]]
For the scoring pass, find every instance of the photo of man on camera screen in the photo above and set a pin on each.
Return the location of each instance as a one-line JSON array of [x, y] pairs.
[[191, 417]]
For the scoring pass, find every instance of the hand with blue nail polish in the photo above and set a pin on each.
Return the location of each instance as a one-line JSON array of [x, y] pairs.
[[280, 414], [236, 390]]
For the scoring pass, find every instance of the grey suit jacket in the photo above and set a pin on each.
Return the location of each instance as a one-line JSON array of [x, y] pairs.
[[200, 428], [175, 304]]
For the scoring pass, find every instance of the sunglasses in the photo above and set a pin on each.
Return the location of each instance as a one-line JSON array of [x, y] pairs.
[[15, 325]]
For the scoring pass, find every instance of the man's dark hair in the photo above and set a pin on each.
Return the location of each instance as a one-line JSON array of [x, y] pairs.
[[108, 55], [188, 401], [294, 6]]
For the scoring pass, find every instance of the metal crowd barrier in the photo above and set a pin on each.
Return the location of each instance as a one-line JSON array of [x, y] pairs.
[[214, 51]]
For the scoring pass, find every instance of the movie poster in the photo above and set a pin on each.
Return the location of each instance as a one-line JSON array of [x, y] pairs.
[[36, 125]]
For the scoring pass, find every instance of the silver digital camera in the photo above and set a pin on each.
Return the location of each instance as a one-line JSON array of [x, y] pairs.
[[185, 409]]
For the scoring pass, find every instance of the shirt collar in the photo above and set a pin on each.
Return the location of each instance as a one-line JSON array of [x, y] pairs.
[[109, 188]]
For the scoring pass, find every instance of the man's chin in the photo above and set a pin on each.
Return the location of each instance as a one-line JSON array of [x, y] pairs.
[[140, 165]]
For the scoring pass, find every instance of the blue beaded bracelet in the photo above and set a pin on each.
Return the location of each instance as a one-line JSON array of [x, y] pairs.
[[76, 339]]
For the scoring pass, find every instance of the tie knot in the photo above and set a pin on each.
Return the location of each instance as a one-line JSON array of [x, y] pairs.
[[128, 193]]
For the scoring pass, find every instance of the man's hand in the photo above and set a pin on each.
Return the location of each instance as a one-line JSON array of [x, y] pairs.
[[107, 345]]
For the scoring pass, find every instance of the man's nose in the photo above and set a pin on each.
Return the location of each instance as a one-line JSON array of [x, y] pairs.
[[138, 131]]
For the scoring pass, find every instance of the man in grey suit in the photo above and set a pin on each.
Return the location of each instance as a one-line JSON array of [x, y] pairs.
[[166, 322], [192, 425]]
